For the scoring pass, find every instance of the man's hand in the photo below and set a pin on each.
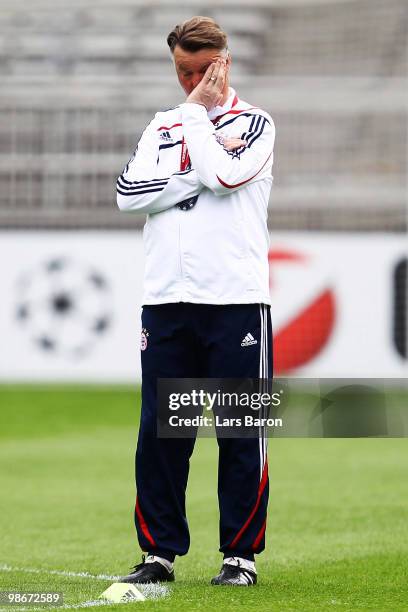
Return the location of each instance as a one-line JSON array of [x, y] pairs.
[[209, 90], [209, 93], [231, 144]]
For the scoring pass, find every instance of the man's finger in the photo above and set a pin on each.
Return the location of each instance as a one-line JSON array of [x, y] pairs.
[[221, 74], [209, 72], [215, 71]]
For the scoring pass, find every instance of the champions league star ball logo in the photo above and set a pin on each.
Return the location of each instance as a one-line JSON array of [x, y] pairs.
[[64, 306]]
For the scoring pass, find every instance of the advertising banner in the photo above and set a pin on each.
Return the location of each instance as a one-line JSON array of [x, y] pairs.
[[71, 305]]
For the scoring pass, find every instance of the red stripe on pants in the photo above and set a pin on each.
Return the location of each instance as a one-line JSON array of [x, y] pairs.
[[262, 486], [259, 536], [143, 524]]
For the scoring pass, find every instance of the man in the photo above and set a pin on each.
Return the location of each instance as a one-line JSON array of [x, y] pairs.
[[202, 173]]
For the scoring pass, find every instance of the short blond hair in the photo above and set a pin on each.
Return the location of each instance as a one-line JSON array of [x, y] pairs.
[[197, 33]]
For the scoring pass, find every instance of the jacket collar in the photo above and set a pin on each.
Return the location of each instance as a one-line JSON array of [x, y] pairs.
[[218, 111]]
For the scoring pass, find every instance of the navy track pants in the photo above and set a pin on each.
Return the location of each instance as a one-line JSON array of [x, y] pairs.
[[187, 340]]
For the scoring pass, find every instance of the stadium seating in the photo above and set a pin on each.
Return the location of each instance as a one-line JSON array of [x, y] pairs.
[[80, 82]]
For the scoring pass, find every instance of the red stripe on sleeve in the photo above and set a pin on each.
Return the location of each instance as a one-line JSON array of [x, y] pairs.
[[163, 127], [224, 184]]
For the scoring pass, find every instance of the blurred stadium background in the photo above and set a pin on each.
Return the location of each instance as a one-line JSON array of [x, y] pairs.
[[80, 81]]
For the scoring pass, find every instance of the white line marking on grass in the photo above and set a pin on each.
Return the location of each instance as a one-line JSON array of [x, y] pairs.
[[32, 570], [84, 604], [150, 591]]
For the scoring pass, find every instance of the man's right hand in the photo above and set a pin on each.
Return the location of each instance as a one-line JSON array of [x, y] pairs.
[[209, 90]]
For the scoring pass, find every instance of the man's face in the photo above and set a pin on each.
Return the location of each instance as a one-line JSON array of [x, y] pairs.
[[191, 67]]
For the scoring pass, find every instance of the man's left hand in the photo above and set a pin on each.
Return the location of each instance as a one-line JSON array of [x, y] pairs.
[[231, 144]]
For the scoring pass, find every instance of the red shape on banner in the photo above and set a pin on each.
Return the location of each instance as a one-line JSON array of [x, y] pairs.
[[304, 338], [305, 335]]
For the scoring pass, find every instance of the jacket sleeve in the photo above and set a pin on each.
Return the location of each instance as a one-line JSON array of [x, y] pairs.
[[224, 171], [141, 190]]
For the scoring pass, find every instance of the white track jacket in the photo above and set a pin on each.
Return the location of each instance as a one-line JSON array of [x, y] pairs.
[[214, 248]]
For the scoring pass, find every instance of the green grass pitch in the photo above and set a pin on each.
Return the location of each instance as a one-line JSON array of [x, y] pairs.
[[337, 528]]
